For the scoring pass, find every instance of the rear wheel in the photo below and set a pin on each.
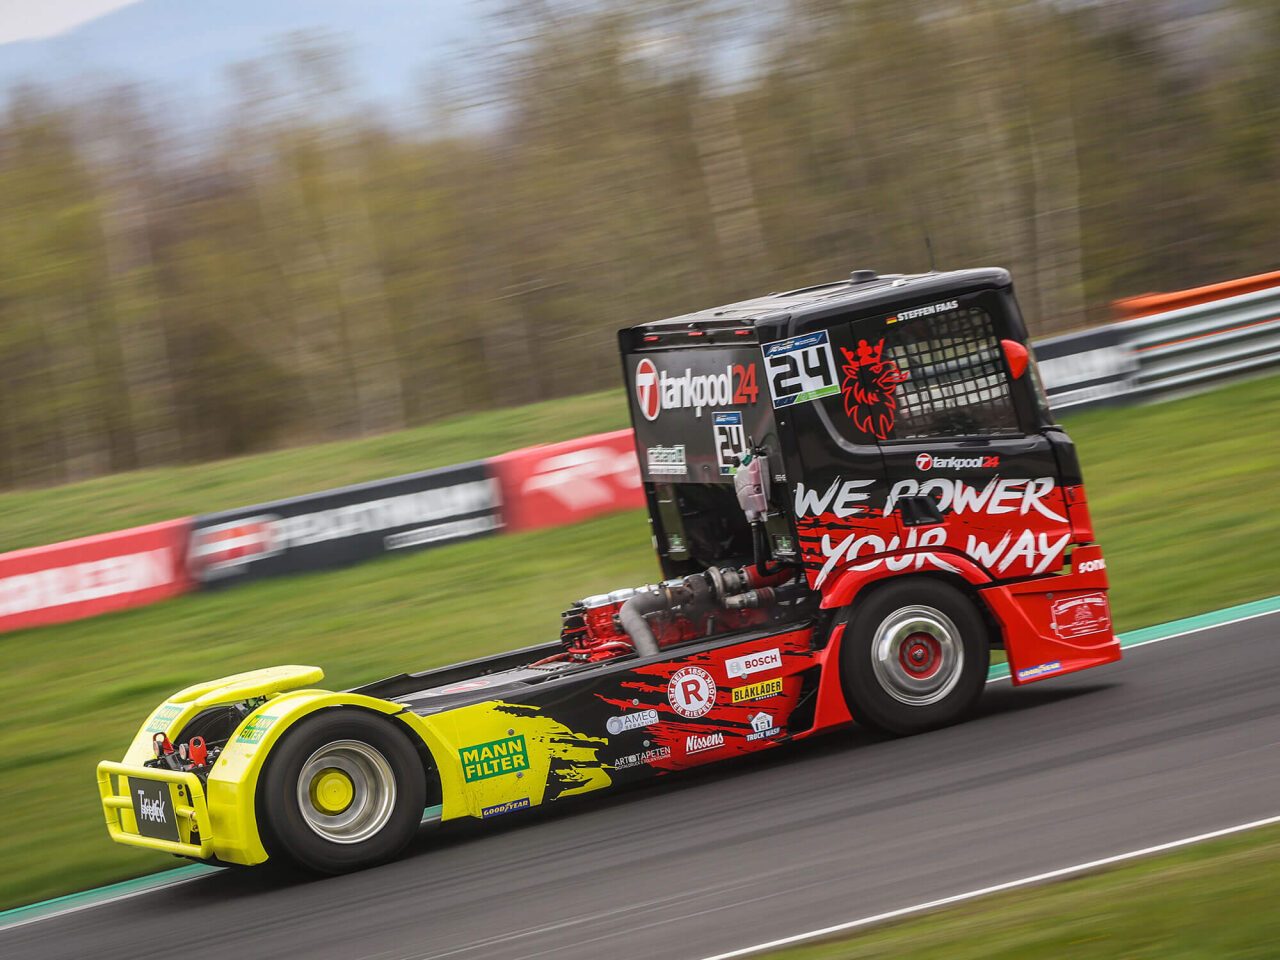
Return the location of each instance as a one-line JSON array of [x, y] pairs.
[[342, 790], [914, 657]]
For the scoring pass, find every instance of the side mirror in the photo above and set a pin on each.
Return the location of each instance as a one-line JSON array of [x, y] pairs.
[[1015, 354]]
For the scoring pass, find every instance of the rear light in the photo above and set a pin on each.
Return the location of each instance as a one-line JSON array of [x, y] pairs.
[[651, 338], [697, 333], [742, 333]]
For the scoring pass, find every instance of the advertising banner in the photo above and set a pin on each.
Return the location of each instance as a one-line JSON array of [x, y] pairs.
[[1086, 368], [335, 528], [83, 578], [560, 483]]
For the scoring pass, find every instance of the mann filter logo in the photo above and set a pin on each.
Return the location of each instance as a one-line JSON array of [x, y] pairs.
[[494, 759], [667, 461], [161, 719], [758, 691], [927, 461], [753, 663], [691, 692], [631, 721], [800, 369], [658, 390], [511, 806], [700, 742], [150, 809], [255, 728]]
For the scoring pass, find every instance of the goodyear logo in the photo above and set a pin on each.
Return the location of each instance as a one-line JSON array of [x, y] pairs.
[[511, 806], [757, 691], [255, 728], [161, 719], [493, 759]]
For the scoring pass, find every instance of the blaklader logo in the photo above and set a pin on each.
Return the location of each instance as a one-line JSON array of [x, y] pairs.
[[494, 759]]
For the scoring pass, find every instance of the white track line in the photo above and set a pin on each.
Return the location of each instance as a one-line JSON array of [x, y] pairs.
[[996, 888], [114, 898]]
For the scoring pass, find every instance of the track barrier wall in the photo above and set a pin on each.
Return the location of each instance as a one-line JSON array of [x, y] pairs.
[[1173, 344]]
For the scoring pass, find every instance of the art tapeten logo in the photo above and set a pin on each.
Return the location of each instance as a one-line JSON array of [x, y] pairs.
[[869, 385]]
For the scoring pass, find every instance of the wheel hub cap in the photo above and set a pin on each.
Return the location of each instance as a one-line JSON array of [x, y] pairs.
[[332, 791], [917, 655], [346, 791]]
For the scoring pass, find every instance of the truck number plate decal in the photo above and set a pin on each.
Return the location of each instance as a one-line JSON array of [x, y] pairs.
[[731, 441], [800, 369]]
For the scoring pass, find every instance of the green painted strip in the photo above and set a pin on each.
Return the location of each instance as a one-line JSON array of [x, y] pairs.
[[998, 671], [124, 888], [1162, 631]]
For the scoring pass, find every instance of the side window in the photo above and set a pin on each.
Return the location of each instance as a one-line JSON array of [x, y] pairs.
[[955, 383]]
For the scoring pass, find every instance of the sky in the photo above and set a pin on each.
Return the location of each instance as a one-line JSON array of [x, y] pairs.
[[28, 19]]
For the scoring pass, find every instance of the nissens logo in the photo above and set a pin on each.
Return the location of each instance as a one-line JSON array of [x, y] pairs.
[[927, 461], [701, 742], [657, 390]]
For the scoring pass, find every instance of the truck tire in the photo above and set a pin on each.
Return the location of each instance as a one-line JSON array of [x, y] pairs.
[[341, 791], [914, 657]]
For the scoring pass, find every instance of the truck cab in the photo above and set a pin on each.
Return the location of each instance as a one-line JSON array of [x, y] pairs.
[[900, 441]]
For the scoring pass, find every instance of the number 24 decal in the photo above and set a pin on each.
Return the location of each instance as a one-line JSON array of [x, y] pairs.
[[745, 389]]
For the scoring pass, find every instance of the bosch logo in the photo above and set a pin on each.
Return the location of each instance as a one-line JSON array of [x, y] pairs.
[[924, 462], [648, 390], [1091, 566], [753, 663]]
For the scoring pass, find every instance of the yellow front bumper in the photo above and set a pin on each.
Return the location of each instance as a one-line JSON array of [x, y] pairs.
[[187, 800]]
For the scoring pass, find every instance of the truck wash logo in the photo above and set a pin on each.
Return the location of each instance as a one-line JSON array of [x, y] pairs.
[[150, 809], [494, 759], [658, 390], [702, 742], [870, 382], [255, 728], [927, 461], [753, 663], [691, 692], [511, 806], [757, 691], [762, 726], [631, 721]]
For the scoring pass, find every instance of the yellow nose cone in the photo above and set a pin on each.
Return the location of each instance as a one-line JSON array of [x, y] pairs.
[[331, 792]]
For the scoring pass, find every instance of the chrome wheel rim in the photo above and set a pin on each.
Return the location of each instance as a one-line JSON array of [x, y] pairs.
[[346, 791], [917, 655]]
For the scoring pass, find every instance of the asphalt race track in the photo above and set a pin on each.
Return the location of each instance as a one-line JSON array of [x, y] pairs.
[[1180, 738]]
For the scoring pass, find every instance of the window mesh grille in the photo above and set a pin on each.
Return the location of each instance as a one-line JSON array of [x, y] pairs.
[[956, 382]]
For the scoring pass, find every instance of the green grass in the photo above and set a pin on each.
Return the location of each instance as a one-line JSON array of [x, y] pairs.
[[1215, 901], [29, 518], [1178, 492]]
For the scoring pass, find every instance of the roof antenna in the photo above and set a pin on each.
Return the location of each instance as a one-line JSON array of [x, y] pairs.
[[928, 245]]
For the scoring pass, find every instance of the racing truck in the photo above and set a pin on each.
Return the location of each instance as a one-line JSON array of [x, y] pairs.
[[857, 492]]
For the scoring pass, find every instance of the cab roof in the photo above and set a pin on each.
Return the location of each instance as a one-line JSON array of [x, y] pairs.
[[780, 315]]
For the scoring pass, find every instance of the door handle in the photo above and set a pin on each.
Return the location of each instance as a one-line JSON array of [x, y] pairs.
[[919, 511]]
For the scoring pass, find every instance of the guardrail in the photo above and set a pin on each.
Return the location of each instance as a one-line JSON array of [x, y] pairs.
[[1164, 354]]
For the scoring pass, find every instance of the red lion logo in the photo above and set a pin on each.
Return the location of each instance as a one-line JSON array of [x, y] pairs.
[[869, 385]]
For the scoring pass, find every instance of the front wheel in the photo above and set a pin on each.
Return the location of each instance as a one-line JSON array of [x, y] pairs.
[[343, 790], [914, 657]]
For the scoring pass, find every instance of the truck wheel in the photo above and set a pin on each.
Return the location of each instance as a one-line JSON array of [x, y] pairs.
[[341, 791], [914, 657]]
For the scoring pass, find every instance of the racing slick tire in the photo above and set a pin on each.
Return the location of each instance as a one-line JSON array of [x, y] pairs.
[[914, 657], [342, 790]]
